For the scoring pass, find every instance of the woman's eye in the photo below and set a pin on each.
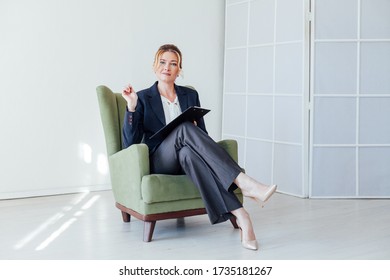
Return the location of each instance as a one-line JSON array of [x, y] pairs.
[[162, 62], [174, 64]]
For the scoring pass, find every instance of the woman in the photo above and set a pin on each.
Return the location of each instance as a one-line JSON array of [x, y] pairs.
[[188, 149]]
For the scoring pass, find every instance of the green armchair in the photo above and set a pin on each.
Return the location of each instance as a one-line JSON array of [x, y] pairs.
[[148, 197]]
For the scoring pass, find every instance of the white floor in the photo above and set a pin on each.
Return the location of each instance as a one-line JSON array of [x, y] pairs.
[[88, 226]]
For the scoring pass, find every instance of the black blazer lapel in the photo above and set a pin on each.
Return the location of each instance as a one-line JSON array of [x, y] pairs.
[[155, 103], [182, 97]]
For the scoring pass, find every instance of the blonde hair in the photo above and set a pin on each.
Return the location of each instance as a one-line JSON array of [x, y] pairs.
[[167, 48]]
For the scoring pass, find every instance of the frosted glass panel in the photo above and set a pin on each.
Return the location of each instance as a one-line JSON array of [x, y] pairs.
[[375, 67], [344, 66], [336, 19], [261, 28], [374, 171], [259, 161], [334, 172], [235, 70], [260, 117], [261, 69], [289, 68], [335, 121], [266, 78], [290, 26], [288, 119], [375, 19], [233, 120], [375, 121], [236, 25], [288, 168], [336, 68]]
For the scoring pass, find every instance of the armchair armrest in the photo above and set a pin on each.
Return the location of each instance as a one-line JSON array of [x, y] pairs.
[[231, 147], [127, 167]]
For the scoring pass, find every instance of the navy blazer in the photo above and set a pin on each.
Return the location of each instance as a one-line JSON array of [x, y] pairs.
[[148, 117]]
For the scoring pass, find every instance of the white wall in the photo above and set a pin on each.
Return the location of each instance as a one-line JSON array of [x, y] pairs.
[[53, 54]]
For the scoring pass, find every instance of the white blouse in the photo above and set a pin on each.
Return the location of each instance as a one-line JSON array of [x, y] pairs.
[[171, 109]]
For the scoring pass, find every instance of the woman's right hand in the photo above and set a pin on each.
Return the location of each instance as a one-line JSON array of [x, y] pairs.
[[131, 97]]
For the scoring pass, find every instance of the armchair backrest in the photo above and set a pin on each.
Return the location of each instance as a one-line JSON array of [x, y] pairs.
[[112, 110]]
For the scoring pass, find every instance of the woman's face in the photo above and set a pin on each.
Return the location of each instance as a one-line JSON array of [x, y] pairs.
[[168, 67]]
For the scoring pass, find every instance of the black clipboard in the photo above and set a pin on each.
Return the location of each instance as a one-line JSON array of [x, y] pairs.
[[190, 114]]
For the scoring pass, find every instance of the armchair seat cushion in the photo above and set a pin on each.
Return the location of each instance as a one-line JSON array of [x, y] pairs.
[[162, 188]]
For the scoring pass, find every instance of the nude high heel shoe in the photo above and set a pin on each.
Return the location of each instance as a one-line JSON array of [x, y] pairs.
[[249, 244], [264, 197]]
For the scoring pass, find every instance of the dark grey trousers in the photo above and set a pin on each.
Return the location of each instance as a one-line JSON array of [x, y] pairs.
[[189, 150]]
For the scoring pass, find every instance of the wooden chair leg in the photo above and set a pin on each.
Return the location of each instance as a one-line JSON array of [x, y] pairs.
[[126, 217], [233, 220], [148, 230]]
